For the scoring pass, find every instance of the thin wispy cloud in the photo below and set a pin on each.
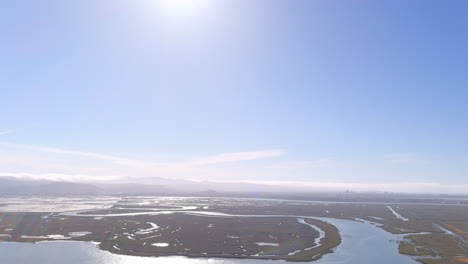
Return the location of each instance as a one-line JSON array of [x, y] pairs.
[[2, 133], [114, 159], [303, 164], [216, 159], [59, 177], [237, 156]]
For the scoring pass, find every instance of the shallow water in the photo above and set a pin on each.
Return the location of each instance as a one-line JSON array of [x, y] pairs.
[[362, 243]]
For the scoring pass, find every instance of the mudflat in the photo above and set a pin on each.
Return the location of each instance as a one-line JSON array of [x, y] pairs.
[[235, 228]]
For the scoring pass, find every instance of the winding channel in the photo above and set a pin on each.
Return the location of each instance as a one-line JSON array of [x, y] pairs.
[[362, 242]]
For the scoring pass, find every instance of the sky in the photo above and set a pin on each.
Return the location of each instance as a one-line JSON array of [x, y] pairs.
[[347, 93]]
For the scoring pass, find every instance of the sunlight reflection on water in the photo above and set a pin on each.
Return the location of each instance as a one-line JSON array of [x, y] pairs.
[[362, 243]]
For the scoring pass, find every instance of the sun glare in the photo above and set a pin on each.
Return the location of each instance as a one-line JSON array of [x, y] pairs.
[[183, 8]]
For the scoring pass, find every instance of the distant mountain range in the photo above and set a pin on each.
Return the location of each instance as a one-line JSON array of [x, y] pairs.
[[11, 186]]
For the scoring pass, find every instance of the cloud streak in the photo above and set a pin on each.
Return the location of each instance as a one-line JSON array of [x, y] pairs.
[[237, 156], [114, 159], [211, 160], [304, 164], [2, 133], [60, 177]]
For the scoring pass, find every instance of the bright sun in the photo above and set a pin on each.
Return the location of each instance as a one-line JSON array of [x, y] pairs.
[[183, 8]]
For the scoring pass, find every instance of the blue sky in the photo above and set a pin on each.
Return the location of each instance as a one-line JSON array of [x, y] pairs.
[[364, 92]]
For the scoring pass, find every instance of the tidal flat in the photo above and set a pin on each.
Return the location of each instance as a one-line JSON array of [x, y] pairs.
[[240, 228]]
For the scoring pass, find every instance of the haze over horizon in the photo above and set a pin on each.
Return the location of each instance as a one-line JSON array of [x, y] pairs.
[[288, 93]]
